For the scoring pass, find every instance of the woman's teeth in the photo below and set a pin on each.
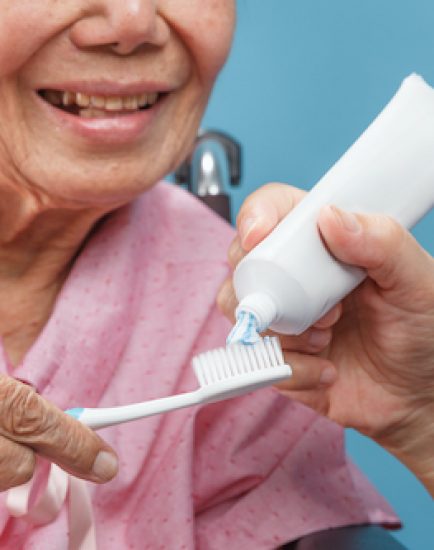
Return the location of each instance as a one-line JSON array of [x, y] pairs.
[[96, 106]]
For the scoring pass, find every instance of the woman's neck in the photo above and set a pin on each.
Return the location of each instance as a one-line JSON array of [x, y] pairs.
[[37, 247]]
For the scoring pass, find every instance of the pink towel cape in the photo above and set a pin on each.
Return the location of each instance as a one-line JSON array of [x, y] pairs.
[[253, 472]]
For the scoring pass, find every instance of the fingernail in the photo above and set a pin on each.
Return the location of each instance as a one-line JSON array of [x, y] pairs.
[[328, 376], [347, 219], [105, 466], [246, 227], [319, 338]]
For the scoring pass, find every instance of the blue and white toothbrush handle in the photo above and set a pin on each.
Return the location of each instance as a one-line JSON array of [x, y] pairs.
[[103, 417]]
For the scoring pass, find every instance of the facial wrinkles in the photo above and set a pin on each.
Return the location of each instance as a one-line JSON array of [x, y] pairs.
[[59, 61], [211, 29], [25, 17], [147, 65], [21, 200], [46, 173], [15, 192], [205, 53]]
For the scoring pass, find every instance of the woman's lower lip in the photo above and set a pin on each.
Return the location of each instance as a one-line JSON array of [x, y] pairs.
[[117, 129]]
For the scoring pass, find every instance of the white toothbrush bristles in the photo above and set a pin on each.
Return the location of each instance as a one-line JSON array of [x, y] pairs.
[[237, 360]]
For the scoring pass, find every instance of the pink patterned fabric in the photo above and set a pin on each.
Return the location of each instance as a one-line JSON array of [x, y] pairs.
[[253, 472]]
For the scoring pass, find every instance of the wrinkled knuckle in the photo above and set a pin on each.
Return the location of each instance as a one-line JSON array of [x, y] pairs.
[[22, 409], [79, 447], [28, 416]]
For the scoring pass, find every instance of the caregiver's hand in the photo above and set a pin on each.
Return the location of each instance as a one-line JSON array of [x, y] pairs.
[[29, 424], [377, 372]]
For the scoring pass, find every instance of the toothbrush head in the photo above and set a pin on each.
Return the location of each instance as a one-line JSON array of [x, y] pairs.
[[237, 369]]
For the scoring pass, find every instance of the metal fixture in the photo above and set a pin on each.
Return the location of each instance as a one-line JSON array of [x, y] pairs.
[[202, 172]]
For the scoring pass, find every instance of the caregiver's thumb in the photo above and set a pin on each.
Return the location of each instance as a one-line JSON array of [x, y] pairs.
[[27, 420], [377, 243]]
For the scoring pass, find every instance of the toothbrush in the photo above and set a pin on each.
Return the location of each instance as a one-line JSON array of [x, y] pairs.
[[222, 373]]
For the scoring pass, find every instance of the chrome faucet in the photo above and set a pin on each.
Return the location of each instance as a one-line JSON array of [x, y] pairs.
[[203, 174]]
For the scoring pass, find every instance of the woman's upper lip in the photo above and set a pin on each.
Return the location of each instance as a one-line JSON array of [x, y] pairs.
[[108, 88]]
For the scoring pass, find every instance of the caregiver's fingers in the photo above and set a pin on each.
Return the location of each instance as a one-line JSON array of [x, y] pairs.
[[317, 399], [28, 419], [310, 382], [263, 210], [311, 341], [236, 252], [390, 255], [17, 463], [226, 300], [309, 372], [330, 318]]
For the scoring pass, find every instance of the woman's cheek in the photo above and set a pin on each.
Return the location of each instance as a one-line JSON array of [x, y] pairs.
[[216, 33], [206, 27], [13, 52], [26, 26]]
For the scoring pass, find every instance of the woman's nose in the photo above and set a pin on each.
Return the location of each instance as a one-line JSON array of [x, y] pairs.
[[121, 25]]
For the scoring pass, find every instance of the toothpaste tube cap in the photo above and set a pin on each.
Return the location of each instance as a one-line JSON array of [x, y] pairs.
[[262, 306]]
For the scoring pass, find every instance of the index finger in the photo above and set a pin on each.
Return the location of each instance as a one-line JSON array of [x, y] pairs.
[[263, 210], [28, 419]]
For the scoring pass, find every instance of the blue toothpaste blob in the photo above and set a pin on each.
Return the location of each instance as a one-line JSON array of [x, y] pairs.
[[245, 331]]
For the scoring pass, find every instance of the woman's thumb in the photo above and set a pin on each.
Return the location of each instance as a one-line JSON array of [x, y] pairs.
[[377, 243]]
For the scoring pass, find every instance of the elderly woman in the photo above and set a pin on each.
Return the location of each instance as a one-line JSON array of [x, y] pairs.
[[107, 288]]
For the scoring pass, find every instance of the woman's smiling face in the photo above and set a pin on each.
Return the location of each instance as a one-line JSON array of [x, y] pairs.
[[101, 98]]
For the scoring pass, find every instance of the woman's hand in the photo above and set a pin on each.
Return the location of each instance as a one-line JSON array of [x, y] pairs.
[[29, 424], [373, 369]]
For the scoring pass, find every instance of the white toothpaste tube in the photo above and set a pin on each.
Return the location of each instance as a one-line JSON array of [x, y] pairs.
[[290, 280]]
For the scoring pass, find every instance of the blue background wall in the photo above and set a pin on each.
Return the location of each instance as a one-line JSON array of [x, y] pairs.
[[304, 80]]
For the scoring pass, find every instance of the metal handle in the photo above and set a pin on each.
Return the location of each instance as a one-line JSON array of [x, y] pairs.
[[231, 147]]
